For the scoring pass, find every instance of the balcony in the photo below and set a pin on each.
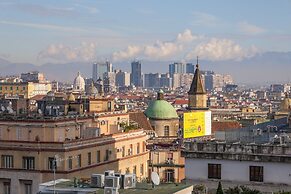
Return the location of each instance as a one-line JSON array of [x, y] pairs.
[[166, 163]]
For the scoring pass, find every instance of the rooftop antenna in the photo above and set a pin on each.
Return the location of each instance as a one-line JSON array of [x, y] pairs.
[[155, 179]]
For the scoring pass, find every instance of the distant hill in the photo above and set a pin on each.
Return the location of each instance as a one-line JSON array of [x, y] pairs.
[[268, 67]]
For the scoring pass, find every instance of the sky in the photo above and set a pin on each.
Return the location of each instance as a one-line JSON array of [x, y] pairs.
[[54, 31]]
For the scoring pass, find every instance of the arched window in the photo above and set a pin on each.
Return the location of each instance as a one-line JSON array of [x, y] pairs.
[[166, 130]]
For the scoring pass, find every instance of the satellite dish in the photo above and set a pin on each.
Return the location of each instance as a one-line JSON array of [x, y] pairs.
[[155, 178], [2, 108], [39, 111]]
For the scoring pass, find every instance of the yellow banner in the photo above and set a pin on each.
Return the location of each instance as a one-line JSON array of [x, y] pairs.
[[194, 124]]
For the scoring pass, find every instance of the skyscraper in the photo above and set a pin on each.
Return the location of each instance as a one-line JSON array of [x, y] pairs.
[[189, 68], [135, 77], [100, 68], [177, 68], [122, 79]]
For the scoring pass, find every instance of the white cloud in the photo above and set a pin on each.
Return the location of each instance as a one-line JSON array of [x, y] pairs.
[[186, 36], [158, 50], [250, 29], [64, 53], [162, 50], [130, 52], [221, 49]]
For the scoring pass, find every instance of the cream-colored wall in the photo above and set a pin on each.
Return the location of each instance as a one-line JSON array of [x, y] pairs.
[[50, 132], [17, 89], [161, 157], [28, 89], [198, 101], [58, 131], [108, 123], [42, 151], [159, 126]]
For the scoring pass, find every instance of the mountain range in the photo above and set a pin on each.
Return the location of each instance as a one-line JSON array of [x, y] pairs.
[[264, 68]]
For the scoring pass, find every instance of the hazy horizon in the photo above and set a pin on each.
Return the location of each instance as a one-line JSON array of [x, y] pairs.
[[231, 37]]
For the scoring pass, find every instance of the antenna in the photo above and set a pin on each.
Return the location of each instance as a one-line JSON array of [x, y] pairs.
[[155, 179]]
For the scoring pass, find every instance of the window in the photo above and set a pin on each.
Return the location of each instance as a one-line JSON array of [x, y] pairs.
[[98, 156], [257, 173], [134, 169], [167, 131], [70, 162], [18, 134], [214, 171], [123, 151], [0, 87], [106, 155], [11, 88], [79, 160], [7, 161], [28, 163], [89, 158], [7, 187], [23, 88], [130, 150], [28, 188], [170, 156], [17, 88], [137, 148], [141, 169], [52, 163]]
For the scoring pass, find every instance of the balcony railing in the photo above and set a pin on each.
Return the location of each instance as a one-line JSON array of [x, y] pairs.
[[166, 163]]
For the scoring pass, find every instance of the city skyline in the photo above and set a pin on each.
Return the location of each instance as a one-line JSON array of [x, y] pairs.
[[154, 32]]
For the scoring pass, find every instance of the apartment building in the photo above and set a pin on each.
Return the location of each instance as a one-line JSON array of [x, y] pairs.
[[79, 145]]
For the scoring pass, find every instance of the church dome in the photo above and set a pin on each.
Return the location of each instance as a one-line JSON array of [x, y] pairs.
[[161, 109], [79, 82]]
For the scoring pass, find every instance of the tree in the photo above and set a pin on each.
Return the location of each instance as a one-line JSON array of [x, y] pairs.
[[219, 189]]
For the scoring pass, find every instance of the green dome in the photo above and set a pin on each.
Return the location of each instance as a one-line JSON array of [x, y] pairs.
[[160, 109]]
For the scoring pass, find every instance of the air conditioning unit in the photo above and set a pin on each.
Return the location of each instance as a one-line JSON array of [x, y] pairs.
[[109, 173], [110, 190], [120, 178], [128, 181], [97, 180], [112, 181]]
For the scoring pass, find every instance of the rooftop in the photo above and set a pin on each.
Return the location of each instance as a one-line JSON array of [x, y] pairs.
[[66, 185]]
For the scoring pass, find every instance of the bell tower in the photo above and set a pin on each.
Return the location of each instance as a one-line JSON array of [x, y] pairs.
[[197, 94]]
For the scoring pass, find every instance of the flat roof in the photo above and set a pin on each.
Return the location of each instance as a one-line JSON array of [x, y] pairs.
[[141, 188]]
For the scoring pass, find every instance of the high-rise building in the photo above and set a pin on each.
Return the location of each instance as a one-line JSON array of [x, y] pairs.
[[190, 68], [166, 81], [136, 73], [99, 69], [182, 79], [216, 81], [152, 80], [177, 68], [122, 79], [109, 81]]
